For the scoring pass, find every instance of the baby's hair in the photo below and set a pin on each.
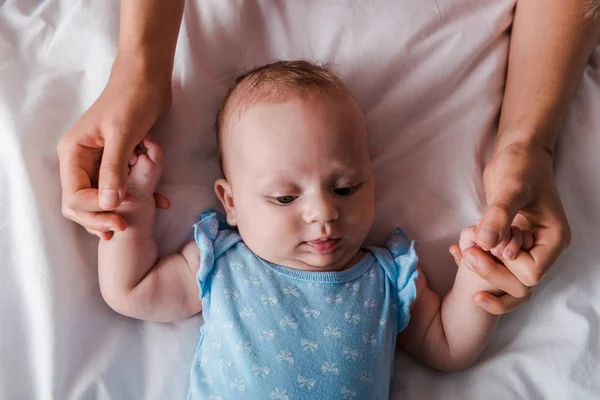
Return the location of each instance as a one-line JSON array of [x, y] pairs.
[[274, 82]]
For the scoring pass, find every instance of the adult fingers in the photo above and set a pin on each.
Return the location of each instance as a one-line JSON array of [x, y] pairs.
[[499, 305], [514, 246], [100, 222], [496, 274], [77, 164], [531, 266], [497, 219], [114, 170]]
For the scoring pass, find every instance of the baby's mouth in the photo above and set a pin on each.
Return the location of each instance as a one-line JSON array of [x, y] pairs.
[[324, 245]]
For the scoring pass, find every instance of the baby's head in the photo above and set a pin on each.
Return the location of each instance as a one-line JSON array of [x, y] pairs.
[[298, 182]]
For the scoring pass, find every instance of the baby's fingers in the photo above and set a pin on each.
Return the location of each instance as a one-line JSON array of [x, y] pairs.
[[456, 254], [162, 201], [528, 241], [153, 151], [467, 238], [514, 246], [501, 304]]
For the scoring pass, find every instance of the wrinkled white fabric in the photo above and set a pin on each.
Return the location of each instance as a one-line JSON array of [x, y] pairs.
[[429, 76]]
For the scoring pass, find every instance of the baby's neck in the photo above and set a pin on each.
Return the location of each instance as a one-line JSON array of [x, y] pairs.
[[332, 268]]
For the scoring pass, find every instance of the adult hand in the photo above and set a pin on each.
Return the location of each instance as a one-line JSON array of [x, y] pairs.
[[520, 190], [94, 153]]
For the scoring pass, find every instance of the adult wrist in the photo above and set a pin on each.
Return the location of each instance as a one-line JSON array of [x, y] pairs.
[[136, 66], [525, 141]]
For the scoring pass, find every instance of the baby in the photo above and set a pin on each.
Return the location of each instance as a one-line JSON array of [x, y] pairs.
[[294, 305]]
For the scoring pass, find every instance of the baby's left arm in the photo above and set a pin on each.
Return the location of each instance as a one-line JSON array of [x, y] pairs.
[[449, 333]]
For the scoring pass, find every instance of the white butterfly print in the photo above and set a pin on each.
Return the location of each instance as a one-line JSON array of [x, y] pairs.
[[306, 382], [248, 313], [216, 344], [366, 377], [267, 334], [228, 326], [348, 394], [202, 361], [225, 363], [262, 371], [331, 368], [244, 346], [332, 332], [220, 275], [291, 291], [285, 356], [353, 287], [216, 310], [268, 300], [369, 303], [370, 339], [252, 281], [238, 384], [231, 294], [236, 265], [352, 318], [337, 299], [311, 312], [371, 274], [207, 379], [308, 345], [278, 394], [351, 354], [287, 321], [215, 397], [382, 322]]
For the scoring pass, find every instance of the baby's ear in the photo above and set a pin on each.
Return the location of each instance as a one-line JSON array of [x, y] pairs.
[[225, 195]]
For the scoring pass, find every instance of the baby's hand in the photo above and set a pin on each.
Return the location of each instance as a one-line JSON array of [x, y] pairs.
[[493, 301], [146, 168], [508, 249]]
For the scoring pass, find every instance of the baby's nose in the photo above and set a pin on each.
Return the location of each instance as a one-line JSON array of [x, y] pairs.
[[320, 208]]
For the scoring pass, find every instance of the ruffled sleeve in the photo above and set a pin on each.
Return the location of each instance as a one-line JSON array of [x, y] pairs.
[[404, 274], [213, 236]]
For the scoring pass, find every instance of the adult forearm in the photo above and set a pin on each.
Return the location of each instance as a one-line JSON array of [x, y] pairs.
[[148, 36], [550, 46]]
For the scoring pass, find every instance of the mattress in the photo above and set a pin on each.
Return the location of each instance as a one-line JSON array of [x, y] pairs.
[[429, 76]]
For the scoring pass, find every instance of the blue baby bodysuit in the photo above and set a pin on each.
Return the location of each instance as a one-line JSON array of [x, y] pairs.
[[276, 333]]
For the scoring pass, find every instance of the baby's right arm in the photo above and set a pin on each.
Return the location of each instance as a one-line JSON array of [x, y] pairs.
[[134, 281]]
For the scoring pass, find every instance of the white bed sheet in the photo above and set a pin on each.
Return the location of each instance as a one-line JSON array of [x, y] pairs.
[[429, 76]]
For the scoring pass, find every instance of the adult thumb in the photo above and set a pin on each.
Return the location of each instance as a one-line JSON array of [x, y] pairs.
[[112, 180], [495, 223]]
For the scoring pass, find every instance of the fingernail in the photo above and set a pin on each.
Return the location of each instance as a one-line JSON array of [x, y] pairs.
[[508, 254], [483, 304], [488, 235], [471, 261], [109, 198]]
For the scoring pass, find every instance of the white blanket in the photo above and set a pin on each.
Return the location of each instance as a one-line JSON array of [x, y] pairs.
[[429, 76]]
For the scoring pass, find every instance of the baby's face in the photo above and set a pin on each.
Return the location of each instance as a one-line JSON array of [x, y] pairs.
[[299, 183]]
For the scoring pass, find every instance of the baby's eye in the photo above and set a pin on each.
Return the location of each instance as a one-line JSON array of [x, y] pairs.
[[346, 191], [285, 200]]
